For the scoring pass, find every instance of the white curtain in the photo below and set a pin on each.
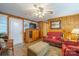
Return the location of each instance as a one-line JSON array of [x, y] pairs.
[[16, 30]]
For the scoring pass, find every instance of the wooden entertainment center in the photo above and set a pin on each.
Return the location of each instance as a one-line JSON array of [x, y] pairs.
[[31, 35]]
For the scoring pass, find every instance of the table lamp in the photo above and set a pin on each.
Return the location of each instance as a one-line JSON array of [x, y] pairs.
[[76, 32]]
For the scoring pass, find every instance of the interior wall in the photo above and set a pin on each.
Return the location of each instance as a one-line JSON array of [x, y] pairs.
[[43, 26], [70, 22], [67, 23]]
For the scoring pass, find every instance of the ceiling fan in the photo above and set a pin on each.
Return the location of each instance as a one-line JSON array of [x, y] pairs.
[[40, 11]]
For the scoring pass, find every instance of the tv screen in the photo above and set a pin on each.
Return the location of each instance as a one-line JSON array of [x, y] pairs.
[[32, 25]]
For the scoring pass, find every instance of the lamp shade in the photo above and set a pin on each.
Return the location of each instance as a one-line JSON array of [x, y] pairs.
[[75, 31]]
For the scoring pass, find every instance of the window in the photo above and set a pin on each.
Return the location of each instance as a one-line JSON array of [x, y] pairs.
[[3, 24], [26, 24], [16, 30]]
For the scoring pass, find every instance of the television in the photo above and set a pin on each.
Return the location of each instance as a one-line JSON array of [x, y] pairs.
[[32, 25]]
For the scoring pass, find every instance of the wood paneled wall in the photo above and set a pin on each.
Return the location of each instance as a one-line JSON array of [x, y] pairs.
[[43, 26], [70, 22], [67, 22]]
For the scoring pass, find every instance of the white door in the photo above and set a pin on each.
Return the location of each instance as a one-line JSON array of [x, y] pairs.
[[16, 30]]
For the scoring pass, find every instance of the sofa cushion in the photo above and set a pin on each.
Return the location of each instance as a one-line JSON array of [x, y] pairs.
[[54, 33], [54, 37], [70, 43]]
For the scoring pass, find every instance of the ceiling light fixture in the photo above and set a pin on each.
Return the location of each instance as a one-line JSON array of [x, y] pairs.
[[40, 11]]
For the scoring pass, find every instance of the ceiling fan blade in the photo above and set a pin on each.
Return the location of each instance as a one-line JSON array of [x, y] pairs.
[[41, 9], [35, 5], [50, 12]]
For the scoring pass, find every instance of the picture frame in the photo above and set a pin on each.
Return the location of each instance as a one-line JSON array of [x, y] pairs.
[[56, 24]]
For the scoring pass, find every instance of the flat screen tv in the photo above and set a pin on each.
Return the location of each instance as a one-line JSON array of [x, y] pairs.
[[32, 25]]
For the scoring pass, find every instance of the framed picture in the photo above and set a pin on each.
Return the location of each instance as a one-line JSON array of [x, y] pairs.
[[55, 24]]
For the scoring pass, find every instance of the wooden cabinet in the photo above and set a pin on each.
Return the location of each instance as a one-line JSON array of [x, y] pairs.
[[31, 35]]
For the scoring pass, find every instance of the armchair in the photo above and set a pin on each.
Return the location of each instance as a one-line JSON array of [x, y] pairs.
[[70, 48]]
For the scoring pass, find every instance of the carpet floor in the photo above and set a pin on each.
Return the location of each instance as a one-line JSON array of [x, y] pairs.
[[21, 50]]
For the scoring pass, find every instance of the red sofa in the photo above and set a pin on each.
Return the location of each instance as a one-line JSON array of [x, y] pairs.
[[54, 38], [70, 48]]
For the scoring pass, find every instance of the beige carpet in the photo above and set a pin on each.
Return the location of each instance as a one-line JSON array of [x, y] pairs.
[[21, 50], [54, 51]]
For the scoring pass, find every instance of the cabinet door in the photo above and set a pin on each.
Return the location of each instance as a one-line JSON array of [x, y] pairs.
[[34, 34], [37, 34]]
